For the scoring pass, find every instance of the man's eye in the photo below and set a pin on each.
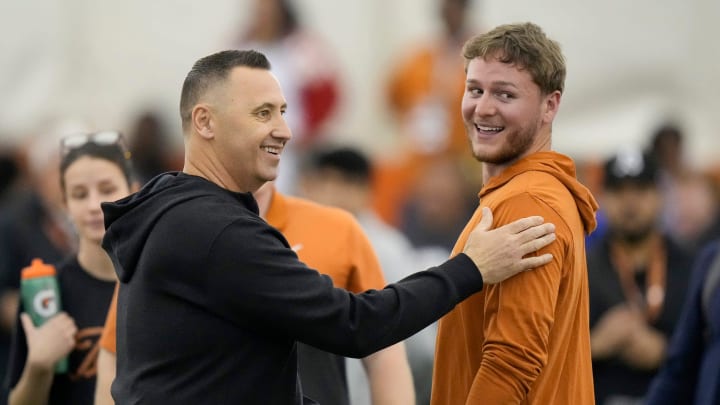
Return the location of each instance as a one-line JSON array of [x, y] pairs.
[[475, 91]]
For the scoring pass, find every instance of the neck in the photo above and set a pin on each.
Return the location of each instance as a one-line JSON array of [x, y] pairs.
[[639, 252], [263, 197], [95, 261], [200, 162], [543, 142]]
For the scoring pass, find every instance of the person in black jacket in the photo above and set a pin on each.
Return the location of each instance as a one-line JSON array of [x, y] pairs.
[[690, 373], [212, 299]]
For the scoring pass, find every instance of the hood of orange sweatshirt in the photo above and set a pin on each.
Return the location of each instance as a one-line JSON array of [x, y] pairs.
[[562, 168]]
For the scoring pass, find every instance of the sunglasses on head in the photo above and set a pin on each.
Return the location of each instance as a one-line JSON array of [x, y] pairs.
[[101, 138]]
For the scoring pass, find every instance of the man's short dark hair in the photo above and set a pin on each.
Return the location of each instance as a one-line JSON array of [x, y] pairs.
[[668, 132], [209, 70], [352, 164]]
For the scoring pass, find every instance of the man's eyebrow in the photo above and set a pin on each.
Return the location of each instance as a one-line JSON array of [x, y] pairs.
[[270, 106], [500, 83]]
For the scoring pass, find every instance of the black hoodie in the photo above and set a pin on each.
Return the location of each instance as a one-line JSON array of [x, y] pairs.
[[212, 300]]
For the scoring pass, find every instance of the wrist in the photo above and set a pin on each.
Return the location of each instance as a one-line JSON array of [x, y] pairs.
[[39, 366]]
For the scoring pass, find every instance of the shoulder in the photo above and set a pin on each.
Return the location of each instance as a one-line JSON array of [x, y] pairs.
[[537, 193], [566, 198], [539, 184], [211, 211], [528, 194], [319, 214]]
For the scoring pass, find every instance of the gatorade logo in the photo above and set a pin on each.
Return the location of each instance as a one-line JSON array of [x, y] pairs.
[[45, 303]]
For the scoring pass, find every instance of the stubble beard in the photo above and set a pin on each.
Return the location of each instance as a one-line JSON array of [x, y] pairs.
[[516, 144], [633, 236]]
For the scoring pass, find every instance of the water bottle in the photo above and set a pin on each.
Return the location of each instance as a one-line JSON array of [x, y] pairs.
[[40, 294]]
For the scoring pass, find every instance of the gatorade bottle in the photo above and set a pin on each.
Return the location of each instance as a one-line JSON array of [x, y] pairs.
[[40, 295]]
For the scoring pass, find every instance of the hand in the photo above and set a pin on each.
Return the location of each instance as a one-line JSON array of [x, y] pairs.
[[498, 253], [50, 342], [646, 347], [614, 331]]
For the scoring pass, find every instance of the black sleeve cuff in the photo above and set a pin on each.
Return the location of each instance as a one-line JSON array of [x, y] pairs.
[[465, 275]]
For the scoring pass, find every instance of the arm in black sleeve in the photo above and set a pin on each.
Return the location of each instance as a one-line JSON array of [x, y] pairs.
[[257, 281]]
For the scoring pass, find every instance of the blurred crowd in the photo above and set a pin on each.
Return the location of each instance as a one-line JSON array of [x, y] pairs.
[[658, 211]]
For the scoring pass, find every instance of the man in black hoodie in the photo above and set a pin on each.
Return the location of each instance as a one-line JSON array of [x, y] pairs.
[[213, 300]]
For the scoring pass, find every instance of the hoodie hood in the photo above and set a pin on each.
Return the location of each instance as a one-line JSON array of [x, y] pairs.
[[130, 220], [563, 169]]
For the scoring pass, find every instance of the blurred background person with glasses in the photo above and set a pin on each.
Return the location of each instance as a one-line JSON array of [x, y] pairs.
[[93, 168]]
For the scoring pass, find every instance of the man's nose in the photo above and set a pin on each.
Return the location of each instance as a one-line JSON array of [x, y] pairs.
[[484, 106]]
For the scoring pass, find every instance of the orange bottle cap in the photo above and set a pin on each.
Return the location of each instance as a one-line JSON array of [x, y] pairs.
[[37, 269]]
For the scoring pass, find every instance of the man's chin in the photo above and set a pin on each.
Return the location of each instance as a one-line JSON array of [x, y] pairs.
[[633, 236], [494, 158]]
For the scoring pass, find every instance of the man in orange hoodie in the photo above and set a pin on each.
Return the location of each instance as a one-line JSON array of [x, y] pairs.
[[525, 340]]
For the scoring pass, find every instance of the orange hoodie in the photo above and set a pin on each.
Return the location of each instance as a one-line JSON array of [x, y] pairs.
[[525, 340]]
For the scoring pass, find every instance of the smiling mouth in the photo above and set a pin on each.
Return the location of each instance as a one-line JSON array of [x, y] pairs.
[[489, 130], [272, 150]]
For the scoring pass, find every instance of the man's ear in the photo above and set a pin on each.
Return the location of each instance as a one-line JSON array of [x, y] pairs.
[[201, 121], [552, 104]]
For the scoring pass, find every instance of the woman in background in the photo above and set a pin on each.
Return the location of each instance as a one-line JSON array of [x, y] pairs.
[[94, 168]]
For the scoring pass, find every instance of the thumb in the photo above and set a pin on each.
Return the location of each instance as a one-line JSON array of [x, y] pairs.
[[486, 220], [27, 323]]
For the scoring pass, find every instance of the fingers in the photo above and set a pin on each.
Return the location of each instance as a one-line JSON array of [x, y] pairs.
[[27, 323], [535, 232], [66, 324], [61, 324], [536, 244], [522, 224], [486, 220], [532, 262]]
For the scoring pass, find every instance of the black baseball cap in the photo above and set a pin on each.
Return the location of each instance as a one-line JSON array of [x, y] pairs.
[[630, 166]]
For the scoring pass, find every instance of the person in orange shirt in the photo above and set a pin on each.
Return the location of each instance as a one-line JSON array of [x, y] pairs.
[[424, 88], [527, 339], [332, 241]]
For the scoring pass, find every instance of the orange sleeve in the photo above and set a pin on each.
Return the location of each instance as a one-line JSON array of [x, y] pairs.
[[366, 271], [519, 315], [108, 338]]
